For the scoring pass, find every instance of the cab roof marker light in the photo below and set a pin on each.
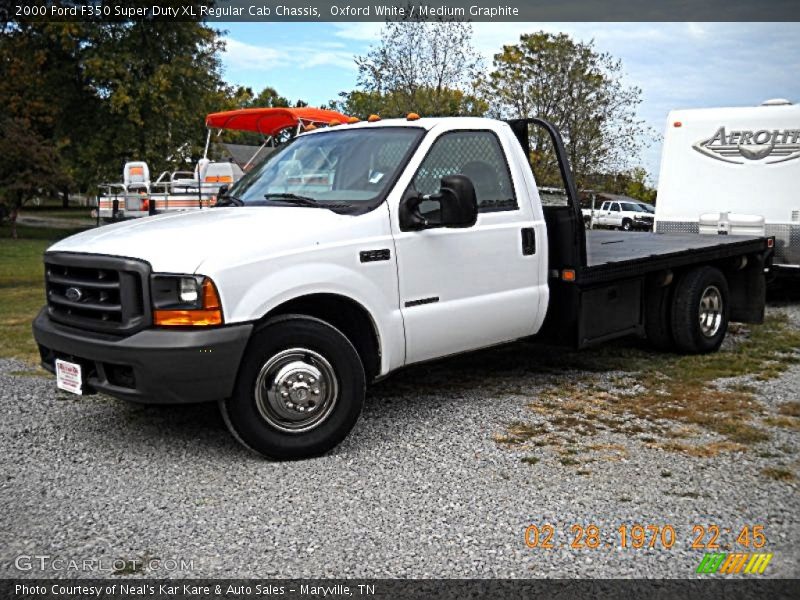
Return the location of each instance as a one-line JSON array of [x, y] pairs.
[[373, 118], [412, 116]]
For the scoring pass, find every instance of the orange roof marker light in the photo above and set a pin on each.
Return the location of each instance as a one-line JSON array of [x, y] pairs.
[[334, 123], [352, 120], [412, 116], [373, 118], [311, 127]]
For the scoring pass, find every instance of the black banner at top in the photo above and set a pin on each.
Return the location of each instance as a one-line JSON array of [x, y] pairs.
[[381, 10]]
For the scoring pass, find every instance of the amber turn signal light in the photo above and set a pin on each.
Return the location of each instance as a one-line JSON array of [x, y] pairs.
[[187, 318], [210, 314]]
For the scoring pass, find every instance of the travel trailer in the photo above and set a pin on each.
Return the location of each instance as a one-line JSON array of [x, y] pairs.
[[138, 196], [734, 171]]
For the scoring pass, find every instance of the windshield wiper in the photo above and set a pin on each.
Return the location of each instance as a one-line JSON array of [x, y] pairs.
[[295, 199], [229, 200]]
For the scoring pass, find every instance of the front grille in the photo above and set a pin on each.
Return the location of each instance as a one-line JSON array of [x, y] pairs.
[[99, 293]]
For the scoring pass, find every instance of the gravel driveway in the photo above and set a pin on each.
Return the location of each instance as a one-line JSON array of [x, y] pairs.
[[420, 489]]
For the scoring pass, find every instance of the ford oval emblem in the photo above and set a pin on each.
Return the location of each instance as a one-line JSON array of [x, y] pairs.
[[73, 294]]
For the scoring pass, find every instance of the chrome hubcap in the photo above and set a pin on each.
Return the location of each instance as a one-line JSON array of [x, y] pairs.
[[296, 390], [710, 312]]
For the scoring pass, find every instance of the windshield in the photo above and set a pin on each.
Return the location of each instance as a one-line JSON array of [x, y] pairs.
[[341, 168]]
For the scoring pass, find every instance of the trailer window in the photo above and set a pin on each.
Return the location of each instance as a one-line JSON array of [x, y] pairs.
[[476, 154]]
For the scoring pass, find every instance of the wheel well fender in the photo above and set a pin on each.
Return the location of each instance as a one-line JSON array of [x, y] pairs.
[[346, 315]]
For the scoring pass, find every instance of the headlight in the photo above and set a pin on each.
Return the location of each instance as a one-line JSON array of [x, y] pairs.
[[190, 290], [185, 301]]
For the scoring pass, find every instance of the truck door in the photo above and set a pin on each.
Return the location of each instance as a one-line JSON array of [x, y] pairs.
[[614, 215], [603, 214], [466, 288]]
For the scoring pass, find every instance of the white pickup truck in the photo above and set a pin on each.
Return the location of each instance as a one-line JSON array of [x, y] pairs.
[[354, 251], [621, 214]]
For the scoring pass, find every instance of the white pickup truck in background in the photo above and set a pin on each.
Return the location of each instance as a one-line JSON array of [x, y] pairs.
[[623, 213], [355, 250]]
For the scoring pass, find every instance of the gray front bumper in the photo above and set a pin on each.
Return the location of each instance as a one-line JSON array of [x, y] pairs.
[[153, 366]]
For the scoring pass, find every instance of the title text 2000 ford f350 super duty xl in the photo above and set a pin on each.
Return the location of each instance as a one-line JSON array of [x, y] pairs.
[[356, 250]]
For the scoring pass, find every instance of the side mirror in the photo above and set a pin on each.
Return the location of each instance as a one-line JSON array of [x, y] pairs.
[[457, 206], [223, 190]]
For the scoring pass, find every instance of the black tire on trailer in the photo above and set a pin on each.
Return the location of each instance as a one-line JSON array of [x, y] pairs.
[[299, 392], [700, 311], [658, 316]]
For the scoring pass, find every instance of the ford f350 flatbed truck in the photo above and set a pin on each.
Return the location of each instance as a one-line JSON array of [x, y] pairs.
[[359, 249]]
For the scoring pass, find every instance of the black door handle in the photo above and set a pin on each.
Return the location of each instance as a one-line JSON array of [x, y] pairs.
[[528, 241]]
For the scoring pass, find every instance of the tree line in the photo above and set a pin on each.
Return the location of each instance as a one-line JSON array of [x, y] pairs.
[[83, 98]]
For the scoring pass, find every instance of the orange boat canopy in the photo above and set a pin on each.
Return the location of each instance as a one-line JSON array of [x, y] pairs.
[[269, 121]]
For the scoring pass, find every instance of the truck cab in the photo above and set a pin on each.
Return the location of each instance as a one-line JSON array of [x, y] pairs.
[[355, 250]]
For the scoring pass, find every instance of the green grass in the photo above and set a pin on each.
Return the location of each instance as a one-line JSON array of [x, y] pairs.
[[22, 287], [79, 213]]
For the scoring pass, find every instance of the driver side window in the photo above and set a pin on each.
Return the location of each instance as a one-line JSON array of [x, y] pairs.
[[476, 154]]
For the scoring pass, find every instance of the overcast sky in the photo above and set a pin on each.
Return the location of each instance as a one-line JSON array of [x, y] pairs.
[[677, 65]]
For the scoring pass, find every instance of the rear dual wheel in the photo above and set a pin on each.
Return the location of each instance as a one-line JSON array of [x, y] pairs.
[[692, 318], [700, 311]]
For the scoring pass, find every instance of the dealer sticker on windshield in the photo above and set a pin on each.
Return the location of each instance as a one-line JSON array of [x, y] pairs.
[[68, 377]]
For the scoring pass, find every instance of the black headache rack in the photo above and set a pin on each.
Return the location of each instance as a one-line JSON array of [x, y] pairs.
[[599, 280]]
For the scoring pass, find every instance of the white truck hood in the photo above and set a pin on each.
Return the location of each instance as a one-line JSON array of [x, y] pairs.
[[179, 243]]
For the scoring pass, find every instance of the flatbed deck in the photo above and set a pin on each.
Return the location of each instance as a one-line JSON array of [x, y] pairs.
[[613, 254]]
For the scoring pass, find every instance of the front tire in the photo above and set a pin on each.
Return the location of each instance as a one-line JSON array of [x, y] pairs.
[[299, 392], [627, 225], [700, 311]]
